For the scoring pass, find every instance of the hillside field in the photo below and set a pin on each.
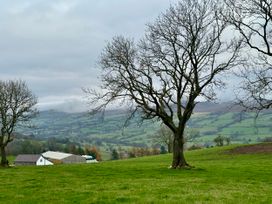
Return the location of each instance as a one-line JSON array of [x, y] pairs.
[[107, 132], [218, 177]]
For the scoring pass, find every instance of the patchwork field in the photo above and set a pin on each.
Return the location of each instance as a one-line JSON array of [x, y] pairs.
[[107, 132], [219, 176]]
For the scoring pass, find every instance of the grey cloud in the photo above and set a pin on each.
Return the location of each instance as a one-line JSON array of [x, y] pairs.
[[54, 45]]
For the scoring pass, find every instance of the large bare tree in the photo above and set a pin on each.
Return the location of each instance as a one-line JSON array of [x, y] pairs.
[[253, 21], [16, 107], [177, 62]]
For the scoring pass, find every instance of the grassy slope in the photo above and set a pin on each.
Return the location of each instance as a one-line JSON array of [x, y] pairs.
[[217, 178], [240, 128]]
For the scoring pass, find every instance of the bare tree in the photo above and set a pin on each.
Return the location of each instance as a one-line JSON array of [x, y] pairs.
[[192, 134], [164, 136], [176, 62], [16, 107], [253, 21]]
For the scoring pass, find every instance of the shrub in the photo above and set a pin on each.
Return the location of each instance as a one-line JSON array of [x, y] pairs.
[[219, 140], [163, 150], [114, 155], [195, 146]]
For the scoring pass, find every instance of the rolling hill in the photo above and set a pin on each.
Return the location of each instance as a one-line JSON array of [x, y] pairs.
[[209, 120]]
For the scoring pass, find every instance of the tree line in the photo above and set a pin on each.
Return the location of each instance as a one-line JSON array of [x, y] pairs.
[[29, 146], [134, 152]]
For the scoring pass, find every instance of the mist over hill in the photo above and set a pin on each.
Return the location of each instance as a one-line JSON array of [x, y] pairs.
[[217, 107]]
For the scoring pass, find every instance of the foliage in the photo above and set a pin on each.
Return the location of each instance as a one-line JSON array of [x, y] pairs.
[[163, 150], [133, 152], [32, 146], [25, 146], [114, 155], [195, 146], [94, 152], [219, 140]]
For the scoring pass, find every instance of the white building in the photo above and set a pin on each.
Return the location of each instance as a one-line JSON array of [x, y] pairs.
[[42, 161], [49, 158], [31, 159], [89, 159], [63, 158]]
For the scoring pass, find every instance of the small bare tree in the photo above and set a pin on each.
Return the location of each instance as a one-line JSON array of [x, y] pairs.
[[253, 21], [176, 62], [16, 107], [164, 136]]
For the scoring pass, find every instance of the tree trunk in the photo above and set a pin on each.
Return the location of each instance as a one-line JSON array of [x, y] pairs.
[[169, 147], [178, 154], [4, 161]]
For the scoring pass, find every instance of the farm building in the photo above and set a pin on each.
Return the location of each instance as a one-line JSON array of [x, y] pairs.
[[31, 159], [89, 159], [63, 158]]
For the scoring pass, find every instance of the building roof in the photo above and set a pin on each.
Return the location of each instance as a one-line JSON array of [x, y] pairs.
[[55, 155], [33, 158], [88, 157]]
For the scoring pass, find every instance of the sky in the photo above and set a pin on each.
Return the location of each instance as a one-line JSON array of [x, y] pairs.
[[54, 45]]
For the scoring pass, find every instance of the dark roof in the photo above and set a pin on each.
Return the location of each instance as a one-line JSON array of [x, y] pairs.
[[27, 158]]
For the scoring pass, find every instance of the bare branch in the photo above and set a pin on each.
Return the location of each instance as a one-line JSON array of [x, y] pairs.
[[253, 21], [176, 62], [16, 107]]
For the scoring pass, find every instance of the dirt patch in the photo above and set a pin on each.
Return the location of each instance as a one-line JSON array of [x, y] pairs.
[[251, 149]]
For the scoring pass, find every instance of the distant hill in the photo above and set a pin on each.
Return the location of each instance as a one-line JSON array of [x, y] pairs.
[[209, 120]]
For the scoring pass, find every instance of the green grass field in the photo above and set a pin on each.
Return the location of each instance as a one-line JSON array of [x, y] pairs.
[[217, 178]]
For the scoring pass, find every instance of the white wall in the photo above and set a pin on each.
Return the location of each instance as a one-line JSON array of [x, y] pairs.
[[42, 161]]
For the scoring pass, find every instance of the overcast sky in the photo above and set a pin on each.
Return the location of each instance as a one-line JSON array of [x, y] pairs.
[[54, 45]]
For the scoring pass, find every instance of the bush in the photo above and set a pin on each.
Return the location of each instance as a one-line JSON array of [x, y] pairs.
[[94, 152], [114, 155], [219, 140], [195, 146], [163, 150]]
